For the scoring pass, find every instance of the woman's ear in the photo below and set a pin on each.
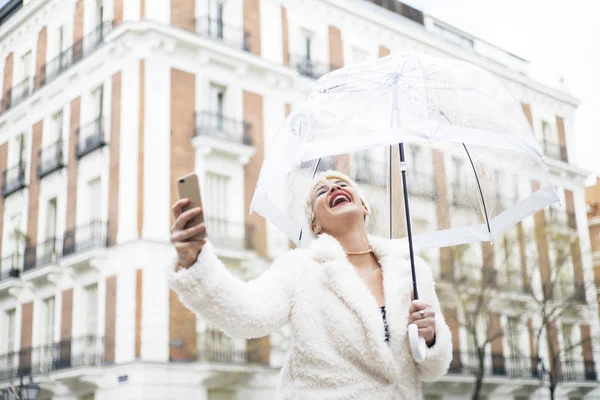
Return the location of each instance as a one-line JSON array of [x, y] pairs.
[[317, 229], [366, 211]]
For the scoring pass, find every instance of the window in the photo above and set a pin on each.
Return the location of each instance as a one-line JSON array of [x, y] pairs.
[[358, 55], [98, 102], [91, 310], [57, 126], [61, 42], [307, 45], [95, 199], [217, 105], [10, 333], [458, 171], [217, 190], [546, 132], [51, 219], [26, 65], [47, 331], [567, 331], [512, 327]]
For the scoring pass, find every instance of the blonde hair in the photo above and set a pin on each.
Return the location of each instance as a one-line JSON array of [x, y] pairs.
[[323, 177]]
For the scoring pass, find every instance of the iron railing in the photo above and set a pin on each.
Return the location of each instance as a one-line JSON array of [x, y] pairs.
[[555, 150], [564, 291], [41, 254], [10, 266], [215, 29], [85, 237], [75, 352], [216, 125], [561, 218], [13, 179], [213, 346], [90, 137], [51, 159], [19, 92], [227, 233], [309, 68], [80, 49], [514, 366]]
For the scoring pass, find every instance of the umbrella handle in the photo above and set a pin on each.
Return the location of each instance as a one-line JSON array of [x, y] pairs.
[[417, 343]]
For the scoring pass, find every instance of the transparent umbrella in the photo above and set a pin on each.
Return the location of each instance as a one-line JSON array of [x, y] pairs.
[[442, 133]]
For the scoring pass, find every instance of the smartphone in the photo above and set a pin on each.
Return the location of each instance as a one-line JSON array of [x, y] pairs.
[[189, 188]]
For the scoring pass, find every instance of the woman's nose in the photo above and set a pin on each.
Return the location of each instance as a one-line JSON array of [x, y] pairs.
[[334, 187]]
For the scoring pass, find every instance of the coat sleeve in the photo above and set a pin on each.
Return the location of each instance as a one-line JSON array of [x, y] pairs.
[[241, 309], [438, 356]]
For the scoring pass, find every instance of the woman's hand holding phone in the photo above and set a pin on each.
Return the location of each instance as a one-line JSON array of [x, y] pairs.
[[187, 250]]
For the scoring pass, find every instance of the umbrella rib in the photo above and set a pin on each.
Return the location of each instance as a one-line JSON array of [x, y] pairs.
[[487, 221], [313, 176]]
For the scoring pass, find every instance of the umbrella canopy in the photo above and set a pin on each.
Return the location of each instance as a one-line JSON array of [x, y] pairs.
[[474, 165]]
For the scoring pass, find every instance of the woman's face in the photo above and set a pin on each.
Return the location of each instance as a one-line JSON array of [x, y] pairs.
[[335, 203]]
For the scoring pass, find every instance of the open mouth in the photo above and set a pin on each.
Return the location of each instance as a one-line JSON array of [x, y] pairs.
[[338, 198]]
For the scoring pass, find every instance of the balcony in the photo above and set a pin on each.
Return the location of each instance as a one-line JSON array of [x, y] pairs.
[[10, 266], [565, 291], [42, 254], [81, 49], [420, 185], [230, 234], [556, 151], [214, 346], [78, 352], [497, 365], [309, 68], [13, 179], [85, 237], [18, 93], [215, 29], [216, 125], [466, 195], [561, 219], [91, 137], [50, 159]]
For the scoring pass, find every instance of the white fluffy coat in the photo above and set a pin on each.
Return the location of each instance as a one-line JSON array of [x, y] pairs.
[[337, 347]]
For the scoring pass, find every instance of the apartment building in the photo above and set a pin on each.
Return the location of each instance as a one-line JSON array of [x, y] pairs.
[[106, 102]]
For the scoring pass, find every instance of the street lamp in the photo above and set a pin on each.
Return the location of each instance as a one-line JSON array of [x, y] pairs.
[[28, 391]]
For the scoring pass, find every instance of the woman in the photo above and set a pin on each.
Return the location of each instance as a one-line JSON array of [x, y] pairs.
[[347, 299]]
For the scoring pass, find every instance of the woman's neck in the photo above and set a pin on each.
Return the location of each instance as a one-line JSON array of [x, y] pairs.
[[356, 240]]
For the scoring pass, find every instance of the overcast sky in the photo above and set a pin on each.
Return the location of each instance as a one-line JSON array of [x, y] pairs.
[[556, 36]]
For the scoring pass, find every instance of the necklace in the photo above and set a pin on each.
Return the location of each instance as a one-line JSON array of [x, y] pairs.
[[358, 253]]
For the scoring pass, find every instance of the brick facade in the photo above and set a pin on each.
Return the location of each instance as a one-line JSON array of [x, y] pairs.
[[115, 154], [383, 51], [26, 337], [182, 322], [285, 37], [110, 319], [253, 113], [34, 191], [118, 11], [251, 17], [442, 210], [138, 313], [66, 324], [336, 48], [182, 14], [40, 58], [78, 31]]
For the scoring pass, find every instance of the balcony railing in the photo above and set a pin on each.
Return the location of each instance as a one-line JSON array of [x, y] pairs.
[[309, 68], [71, 353], [555, 150], [10, 266], [420, 184], [579, 371], [13, 179], [465, 195], [85, 237], [80, 49], [50, 159], [215, 29], [215, 347], [561, 218], [216, 125], [91, 137], [19, 92], [565, 291], [229, 234], [41, 254]]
